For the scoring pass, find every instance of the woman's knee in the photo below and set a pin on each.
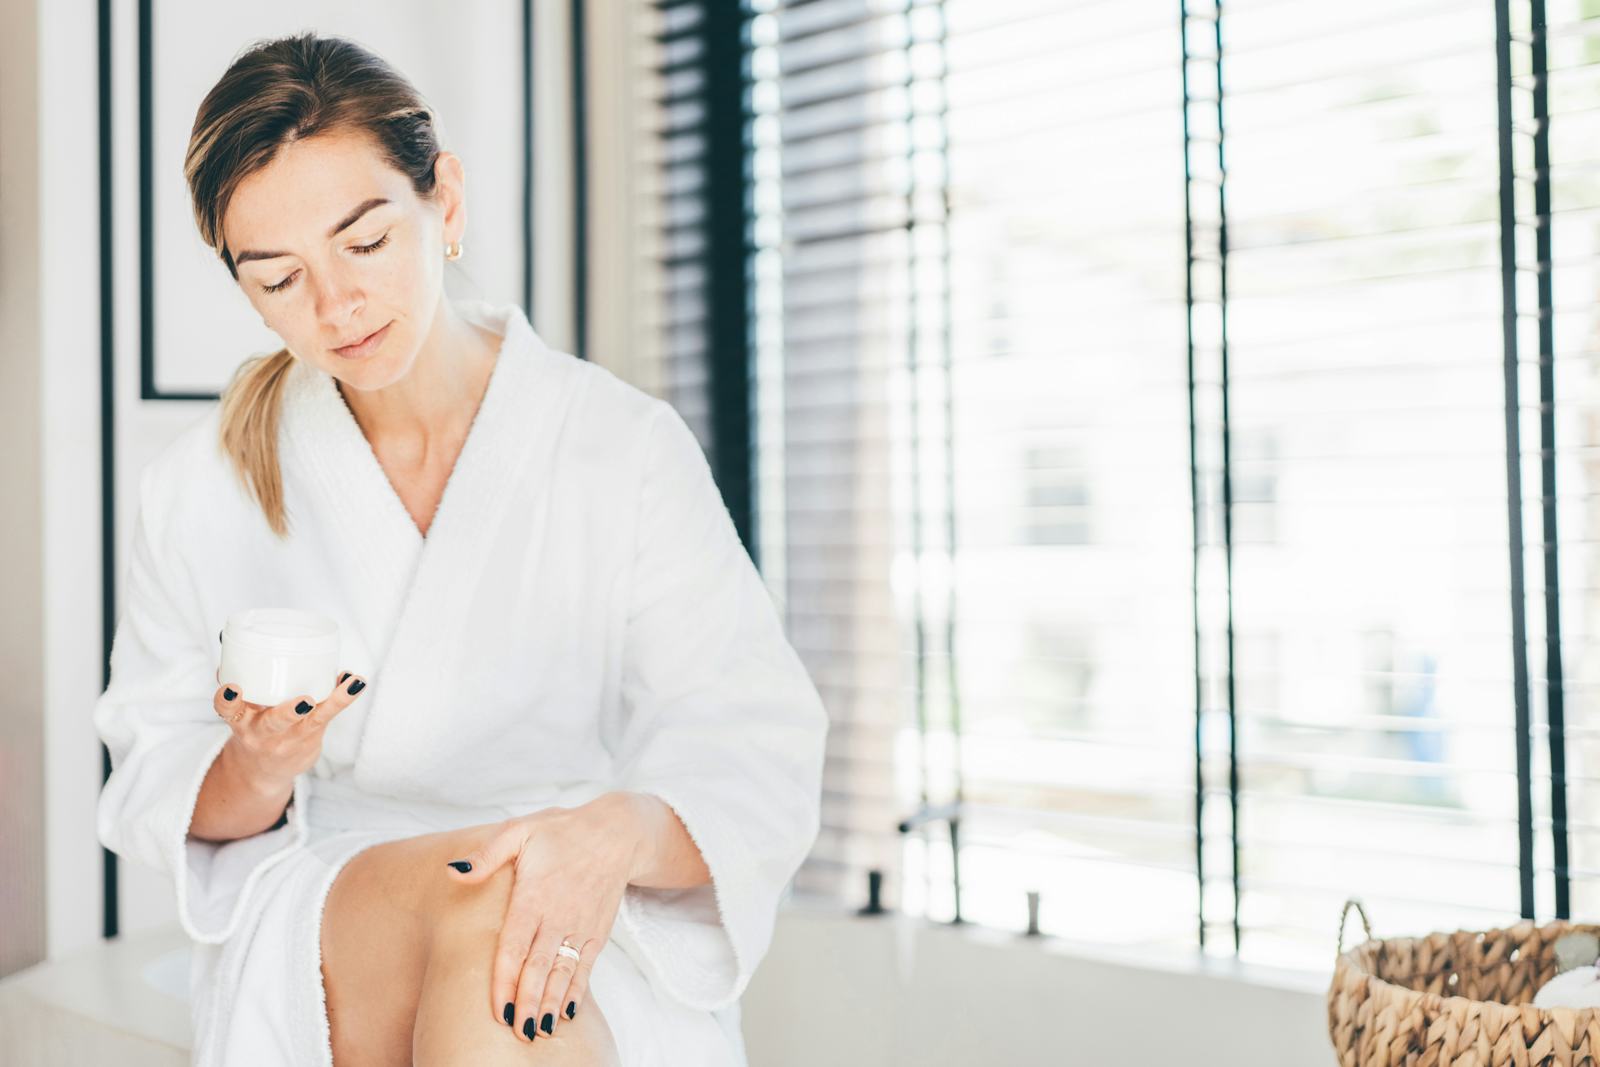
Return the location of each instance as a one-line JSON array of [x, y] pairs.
[[470, 916], [465, 912], [464, 935], [402, 891]]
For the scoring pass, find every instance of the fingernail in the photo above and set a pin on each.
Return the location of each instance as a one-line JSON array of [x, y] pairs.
[[342, 677], [301, 708], [356, 686], [510, 1012], [527, 1028], [572, 1006], [228, 694], [463, 866], [549, 1024]]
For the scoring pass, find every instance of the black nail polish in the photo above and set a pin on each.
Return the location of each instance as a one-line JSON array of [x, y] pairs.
[[301, 708], [356, 686], [528, 1029], [511, 1012], [219, 635], [572, 1006], [343, 676], [463, 866], [228, 694], [549, 1024]]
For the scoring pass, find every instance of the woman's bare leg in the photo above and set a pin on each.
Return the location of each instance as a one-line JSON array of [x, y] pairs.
[[455, 1013], [406, 955], [457, 1024], [374, 952]]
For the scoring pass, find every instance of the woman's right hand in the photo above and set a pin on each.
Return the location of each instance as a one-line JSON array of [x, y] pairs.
[[277, 743]]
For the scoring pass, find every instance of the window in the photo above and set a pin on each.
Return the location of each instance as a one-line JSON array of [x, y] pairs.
[[1363, 284], [986, 474], [1131, 450]]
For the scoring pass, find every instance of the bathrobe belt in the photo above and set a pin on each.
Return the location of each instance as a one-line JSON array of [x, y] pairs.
[[336, 804]]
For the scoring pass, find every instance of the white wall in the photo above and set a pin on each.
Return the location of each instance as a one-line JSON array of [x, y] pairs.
[[21, 542], [64, 265]]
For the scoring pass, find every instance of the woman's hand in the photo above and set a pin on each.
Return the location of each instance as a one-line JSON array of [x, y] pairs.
[[571, 868], [274, 744]]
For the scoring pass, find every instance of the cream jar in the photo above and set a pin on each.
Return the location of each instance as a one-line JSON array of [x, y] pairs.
[[273, 654]]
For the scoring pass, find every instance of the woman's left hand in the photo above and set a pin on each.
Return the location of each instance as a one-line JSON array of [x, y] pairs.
[[571, 868]]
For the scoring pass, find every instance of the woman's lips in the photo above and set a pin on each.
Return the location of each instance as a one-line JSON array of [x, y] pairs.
[[366, 344]]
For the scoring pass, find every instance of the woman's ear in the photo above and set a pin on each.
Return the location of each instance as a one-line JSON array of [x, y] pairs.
[[451, 177]]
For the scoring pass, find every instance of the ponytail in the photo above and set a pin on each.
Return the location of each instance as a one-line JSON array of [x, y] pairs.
[[251, 405]]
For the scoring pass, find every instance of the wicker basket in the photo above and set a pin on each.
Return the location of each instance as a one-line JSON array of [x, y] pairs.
[[1460, 999]]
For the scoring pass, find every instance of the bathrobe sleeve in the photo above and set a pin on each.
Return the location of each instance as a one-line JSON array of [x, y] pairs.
[[724, 725], [157, 720]]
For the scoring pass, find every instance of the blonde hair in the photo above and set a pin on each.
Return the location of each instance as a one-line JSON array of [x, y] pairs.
[[275, 93]]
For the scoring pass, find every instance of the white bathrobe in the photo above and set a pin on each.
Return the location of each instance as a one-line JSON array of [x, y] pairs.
[[581, 617]]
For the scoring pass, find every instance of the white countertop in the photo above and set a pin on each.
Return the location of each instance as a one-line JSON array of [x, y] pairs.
[[122, 1001]]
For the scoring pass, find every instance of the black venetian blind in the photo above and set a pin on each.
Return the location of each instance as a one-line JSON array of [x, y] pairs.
[[1169, 432]]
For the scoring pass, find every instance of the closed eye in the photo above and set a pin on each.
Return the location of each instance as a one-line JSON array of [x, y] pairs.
[[360, 250], [363, 250]]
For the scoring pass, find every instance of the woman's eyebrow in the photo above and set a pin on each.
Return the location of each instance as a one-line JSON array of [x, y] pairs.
[[349, 220]]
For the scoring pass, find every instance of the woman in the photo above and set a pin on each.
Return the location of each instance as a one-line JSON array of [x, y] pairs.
[[556, 797]]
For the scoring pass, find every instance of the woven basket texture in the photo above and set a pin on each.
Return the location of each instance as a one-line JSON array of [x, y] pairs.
[[1460, 999]]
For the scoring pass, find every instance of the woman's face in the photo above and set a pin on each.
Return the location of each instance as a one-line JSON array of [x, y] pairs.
[[333, 245]]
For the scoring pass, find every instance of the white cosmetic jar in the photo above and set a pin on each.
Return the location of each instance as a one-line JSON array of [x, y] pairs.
[[273, 654]]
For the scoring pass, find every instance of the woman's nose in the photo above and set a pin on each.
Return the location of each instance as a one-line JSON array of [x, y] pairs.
[[339, 303]]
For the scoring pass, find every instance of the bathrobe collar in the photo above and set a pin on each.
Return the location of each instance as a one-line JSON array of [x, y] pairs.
[[397, 581]]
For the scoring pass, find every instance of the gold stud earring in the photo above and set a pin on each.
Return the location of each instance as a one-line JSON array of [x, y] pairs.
[[452, 250]]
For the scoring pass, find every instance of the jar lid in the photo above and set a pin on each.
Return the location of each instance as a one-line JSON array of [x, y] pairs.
[[283, 630]]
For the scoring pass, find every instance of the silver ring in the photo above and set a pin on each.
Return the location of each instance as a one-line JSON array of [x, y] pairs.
[[568, 951]]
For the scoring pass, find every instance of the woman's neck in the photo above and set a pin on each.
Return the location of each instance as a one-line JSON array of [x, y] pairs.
[[432, 406]]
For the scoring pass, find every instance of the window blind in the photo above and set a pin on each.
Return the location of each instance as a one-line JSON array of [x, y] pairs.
[[671, 133], [1136, 461], [1071, 626], [982, 420], [1555, 55], [833, 317], [1375, 745]]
